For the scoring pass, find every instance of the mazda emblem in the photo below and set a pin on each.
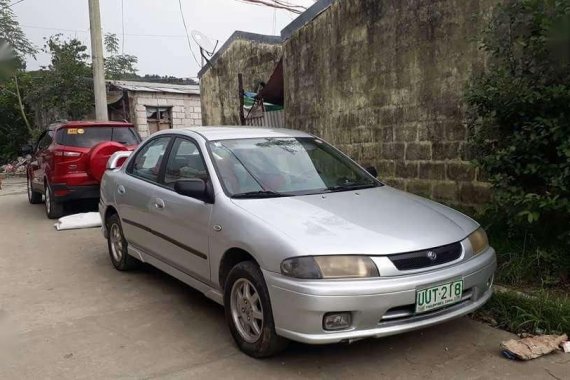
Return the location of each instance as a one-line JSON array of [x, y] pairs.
[[431, 255]]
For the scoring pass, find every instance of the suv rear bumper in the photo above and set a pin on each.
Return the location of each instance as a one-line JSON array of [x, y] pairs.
[[63, 193]]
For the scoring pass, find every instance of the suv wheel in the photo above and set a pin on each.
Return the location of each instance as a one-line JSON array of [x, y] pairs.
[[34, 197], [248, 312], [118, 245], [54, 210]]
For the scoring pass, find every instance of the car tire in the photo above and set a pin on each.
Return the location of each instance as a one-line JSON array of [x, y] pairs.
[[34, 197], [254, 336], [54, 210], [118, 246]]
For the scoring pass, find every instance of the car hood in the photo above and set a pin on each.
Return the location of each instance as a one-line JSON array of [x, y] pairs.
[[377, 221]]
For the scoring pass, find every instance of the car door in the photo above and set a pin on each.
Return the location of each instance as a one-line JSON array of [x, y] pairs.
[[136, 190], [41, 159], [183, 221]]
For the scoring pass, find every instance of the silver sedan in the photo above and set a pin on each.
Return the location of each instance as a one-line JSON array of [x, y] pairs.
[[295, 239]]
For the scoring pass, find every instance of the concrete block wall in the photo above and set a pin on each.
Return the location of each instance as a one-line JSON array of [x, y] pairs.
[[255, 60], [186, 109], [384, 80]]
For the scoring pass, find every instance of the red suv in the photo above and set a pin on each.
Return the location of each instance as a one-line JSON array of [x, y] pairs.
[[69, 160]]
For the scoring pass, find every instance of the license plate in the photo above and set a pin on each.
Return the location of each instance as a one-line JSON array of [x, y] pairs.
[[439, 296]]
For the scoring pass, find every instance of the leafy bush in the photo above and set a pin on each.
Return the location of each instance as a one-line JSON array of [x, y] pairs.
[[520, 121]]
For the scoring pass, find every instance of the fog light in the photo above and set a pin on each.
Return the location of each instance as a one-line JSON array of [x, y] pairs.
[[337, 321], [490, 281]]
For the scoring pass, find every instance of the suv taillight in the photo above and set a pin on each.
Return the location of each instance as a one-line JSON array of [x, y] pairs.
[[59, 153], [68, 161]]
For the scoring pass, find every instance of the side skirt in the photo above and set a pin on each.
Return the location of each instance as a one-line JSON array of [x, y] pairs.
[[210, 292]]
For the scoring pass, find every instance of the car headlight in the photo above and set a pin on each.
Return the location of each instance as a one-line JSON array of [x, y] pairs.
[[316, 267], [479, 241]]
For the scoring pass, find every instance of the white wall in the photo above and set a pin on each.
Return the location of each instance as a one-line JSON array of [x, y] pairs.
[[186, 109]]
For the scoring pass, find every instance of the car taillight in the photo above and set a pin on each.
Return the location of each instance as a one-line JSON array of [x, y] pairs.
[[68, 161], [59, 153]]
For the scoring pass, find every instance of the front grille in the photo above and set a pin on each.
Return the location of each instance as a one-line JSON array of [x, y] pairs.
[[427, 257]]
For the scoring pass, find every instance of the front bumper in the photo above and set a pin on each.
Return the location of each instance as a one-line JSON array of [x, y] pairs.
[[70, 193], [380, 307]]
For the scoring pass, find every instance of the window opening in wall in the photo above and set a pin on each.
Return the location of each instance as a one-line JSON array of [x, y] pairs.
[[158, 118]]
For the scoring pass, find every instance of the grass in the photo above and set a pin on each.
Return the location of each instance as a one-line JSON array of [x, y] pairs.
[[536, 275], [542, 313]]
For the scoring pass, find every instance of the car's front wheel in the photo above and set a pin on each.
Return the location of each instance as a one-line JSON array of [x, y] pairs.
[[248, 312], [117, 245], [54, 210]]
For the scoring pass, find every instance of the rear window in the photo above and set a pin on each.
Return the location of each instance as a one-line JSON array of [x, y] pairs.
[[87, 137]]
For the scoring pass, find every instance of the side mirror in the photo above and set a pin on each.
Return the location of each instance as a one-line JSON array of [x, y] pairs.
[[193, 188], [117, 159], [26, 149], [372, 170]]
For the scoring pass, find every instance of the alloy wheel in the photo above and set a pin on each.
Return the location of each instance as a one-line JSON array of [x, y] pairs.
[[246, 309], [116, 242]]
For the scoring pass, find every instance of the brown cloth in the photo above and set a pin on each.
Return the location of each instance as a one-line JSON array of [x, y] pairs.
[[533, 346]]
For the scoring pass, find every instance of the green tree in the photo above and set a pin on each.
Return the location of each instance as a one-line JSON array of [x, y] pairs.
[[11, 32], [118, 66], [520, 123], [63, 89], [15, 125]]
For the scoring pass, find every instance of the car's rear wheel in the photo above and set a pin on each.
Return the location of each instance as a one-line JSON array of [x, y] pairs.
[[248, 312], [54, 210], [117, 244], [34, 197]]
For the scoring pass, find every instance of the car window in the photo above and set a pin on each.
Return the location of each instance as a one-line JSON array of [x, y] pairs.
[[148, 160], [45, 140], [185, 161], [87, 137]]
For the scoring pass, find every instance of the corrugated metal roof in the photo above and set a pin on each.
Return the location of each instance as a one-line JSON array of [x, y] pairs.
[[156, 87]]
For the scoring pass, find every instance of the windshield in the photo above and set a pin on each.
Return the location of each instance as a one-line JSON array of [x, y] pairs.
[[265, 167]]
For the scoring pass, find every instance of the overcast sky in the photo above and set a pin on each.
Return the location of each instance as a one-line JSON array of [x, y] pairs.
[[153, 28]]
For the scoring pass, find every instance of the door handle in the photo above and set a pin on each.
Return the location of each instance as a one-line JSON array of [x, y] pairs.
[[159, 203], [121, 189]]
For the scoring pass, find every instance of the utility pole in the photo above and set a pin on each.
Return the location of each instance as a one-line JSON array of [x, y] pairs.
[[97, 62]]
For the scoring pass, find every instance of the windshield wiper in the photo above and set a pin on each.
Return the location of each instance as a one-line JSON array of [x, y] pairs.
[[354, 186], [259, 194]]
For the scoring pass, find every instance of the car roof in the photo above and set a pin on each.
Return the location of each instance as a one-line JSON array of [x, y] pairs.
[[89, 123], [238, 132]]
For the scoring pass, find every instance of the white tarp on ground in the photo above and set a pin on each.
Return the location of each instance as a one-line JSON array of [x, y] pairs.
[[84, 220]]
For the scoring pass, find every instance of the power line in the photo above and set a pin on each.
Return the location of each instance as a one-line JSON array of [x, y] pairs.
[[187, 35], [87, 31], [11, 5]]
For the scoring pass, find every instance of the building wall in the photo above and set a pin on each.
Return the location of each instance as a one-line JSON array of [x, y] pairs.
[[186, 109], [384, 80], [219, 84]]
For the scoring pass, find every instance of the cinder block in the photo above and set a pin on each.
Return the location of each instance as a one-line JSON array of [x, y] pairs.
[[432, 170], [460, 171], [445, 191], [407, 170], [418, 151]]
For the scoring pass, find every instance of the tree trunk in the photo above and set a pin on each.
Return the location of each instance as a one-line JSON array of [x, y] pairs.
[[22, 110]]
